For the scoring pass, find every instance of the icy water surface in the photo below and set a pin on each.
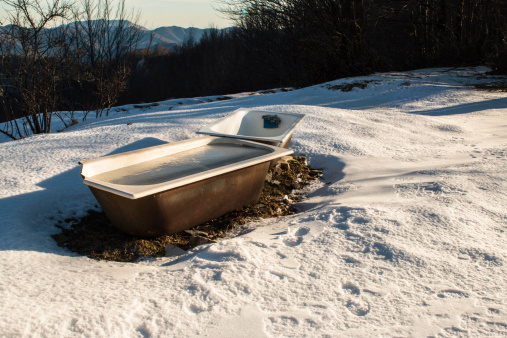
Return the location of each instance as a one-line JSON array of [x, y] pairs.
[[181, 164]]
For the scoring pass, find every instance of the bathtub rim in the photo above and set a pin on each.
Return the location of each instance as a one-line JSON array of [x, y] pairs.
[[274, 139], [139, 191]]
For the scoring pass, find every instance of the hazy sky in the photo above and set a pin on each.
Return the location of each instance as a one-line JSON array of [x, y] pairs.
[[185, 13], [158, 13]]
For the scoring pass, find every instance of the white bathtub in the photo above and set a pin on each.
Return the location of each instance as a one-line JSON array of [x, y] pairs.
[[172, 187], [248, 124]]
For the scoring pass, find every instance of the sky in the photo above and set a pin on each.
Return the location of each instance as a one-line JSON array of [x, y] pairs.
[[160, 13], [188, 13]]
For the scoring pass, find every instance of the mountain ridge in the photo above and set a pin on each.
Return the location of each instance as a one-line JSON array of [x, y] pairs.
[[170, 37]]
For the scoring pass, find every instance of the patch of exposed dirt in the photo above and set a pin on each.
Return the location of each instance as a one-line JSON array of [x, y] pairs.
[[500, 86], [95, 237], [223, 98], [347, 87]]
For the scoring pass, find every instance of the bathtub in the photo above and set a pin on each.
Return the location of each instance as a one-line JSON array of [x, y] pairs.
[[248, 124], [176, 186]]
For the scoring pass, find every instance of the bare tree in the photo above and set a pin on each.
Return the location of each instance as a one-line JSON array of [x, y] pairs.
[[304, 41], [30, 67], [43, 57], [111, 82], [107, 34]]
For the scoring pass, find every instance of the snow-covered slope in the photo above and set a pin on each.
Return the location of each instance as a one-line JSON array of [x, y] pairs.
[[405, 235], [170, 37], [177, 34]]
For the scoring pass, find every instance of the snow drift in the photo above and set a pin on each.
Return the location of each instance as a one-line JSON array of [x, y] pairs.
[[404, 235]]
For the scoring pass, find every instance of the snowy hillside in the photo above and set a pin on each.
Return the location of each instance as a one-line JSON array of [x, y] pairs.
[[177, 35], [171, 37], [405, 234]]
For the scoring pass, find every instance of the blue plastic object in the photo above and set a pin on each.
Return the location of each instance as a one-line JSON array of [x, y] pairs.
[[271, 121]]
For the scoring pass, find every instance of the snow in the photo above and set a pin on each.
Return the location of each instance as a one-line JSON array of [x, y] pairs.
[[404, 235]]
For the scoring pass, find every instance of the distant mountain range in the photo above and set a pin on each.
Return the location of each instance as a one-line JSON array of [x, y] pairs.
[[166, 37], [171, 37]]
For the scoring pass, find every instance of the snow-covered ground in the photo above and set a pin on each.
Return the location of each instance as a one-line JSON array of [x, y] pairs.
[[405, 235]]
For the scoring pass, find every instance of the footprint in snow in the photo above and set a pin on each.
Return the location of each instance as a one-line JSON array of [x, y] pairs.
[[349, 260], [285, 320], [345, 217], [290, 263], [351, 289], [195, 309], [451, 293], [143, 331], [355, 303], [302, 231], [295, 237], [358, 307], [493, 311]]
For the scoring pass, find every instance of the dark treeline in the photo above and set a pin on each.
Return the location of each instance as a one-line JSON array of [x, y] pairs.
[[214, 65], [280, 43], [276, 43]]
